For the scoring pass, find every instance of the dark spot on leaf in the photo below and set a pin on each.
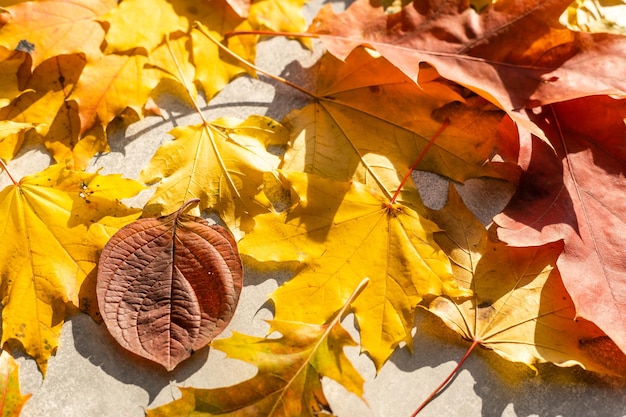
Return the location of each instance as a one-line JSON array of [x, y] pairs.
[[25, 46]]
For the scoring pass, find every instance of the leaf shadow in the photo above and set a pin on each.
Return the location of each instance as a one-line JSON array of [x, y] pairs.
[[542, 197], [93, 342], [502, 386]]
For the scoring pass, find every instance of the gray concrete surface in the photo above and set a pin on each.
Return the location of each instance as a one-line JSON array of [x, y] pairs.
[[91, 376]]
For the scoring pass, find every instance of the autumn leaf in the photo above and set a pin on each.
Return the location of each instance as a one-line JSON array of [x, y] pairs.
[[577, 195], [213, 71], [290, 368], [278, 15], [10, 63], [353, 130], [596, 16], [110, 85], [11, 398], [520, 307], [513, 53], [344, 232], [12, 137], [168, 286], [56, 27], [222, 163], [44, 104], [54, 225], [124, 33]]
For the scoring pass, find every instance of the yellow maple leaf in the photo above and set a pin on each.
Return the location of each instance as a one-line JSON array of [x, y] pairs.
[[278, 15], [110, 85], [345, 232], [43, 104], [222, 163], [11, 137], [290, 368], [157, 17], [10, 62], [520, 308], [12, 398], [56, 27], [173, 58], [55, 223]]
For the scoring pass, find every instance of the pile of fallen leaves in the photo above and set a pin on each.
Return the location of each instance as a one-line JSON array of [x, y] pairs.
[[499, 90]]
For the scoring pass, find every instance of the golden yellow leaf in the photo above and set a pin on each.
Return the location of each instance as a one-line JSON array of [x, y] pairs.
[[345, 232], [54, 223], [174, 67], [214, 71], [110, 85], [56, 27], [43, 103], [140, 23], [290, 368], [521, 309], [278, 15], [10, 62], [11, 398], [222, 163], [11, 137]]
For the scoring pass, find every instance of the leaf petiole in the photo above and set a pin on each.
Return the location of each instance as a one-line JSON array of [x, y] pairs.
[[6, 169], [430, 143], [441, 386]]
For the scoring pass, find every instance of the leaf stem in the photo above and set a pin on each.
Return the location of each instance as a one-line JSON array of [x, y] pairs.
[[6, 169], [270, 33], [233, 55], [456, 369], [430, 143]]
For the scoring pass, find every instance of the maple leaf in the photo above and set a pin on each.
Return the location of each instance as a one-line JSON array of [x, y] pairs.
[[44, 104], [353, 131], [110, 85], [213, 71], [576, 194], [277, 15], [223, 163], [514, 54], [11, 398], [56, 27], [124, 34], [11, 137], [520, 307], [288, 382], [173, 58], [10, 63], [54, 225], [345, 232]]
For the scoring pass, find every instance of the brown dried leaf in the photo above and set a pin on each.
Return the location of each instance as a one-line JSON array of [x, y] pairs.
[[167, 286]]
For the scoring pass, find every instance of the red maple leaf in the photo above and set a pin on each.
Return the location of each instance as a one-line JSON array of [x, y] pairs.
[[575, 193], [515, 53]]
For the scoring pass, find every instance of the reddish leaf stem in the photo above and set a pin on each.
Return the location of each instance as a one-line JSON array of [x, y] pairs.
[[456, 369], [4, 167], [445, 124]]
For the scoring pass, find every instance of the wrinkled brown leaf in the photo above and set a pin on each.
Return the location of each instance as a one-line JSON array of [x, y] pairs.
[[167, 286]]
